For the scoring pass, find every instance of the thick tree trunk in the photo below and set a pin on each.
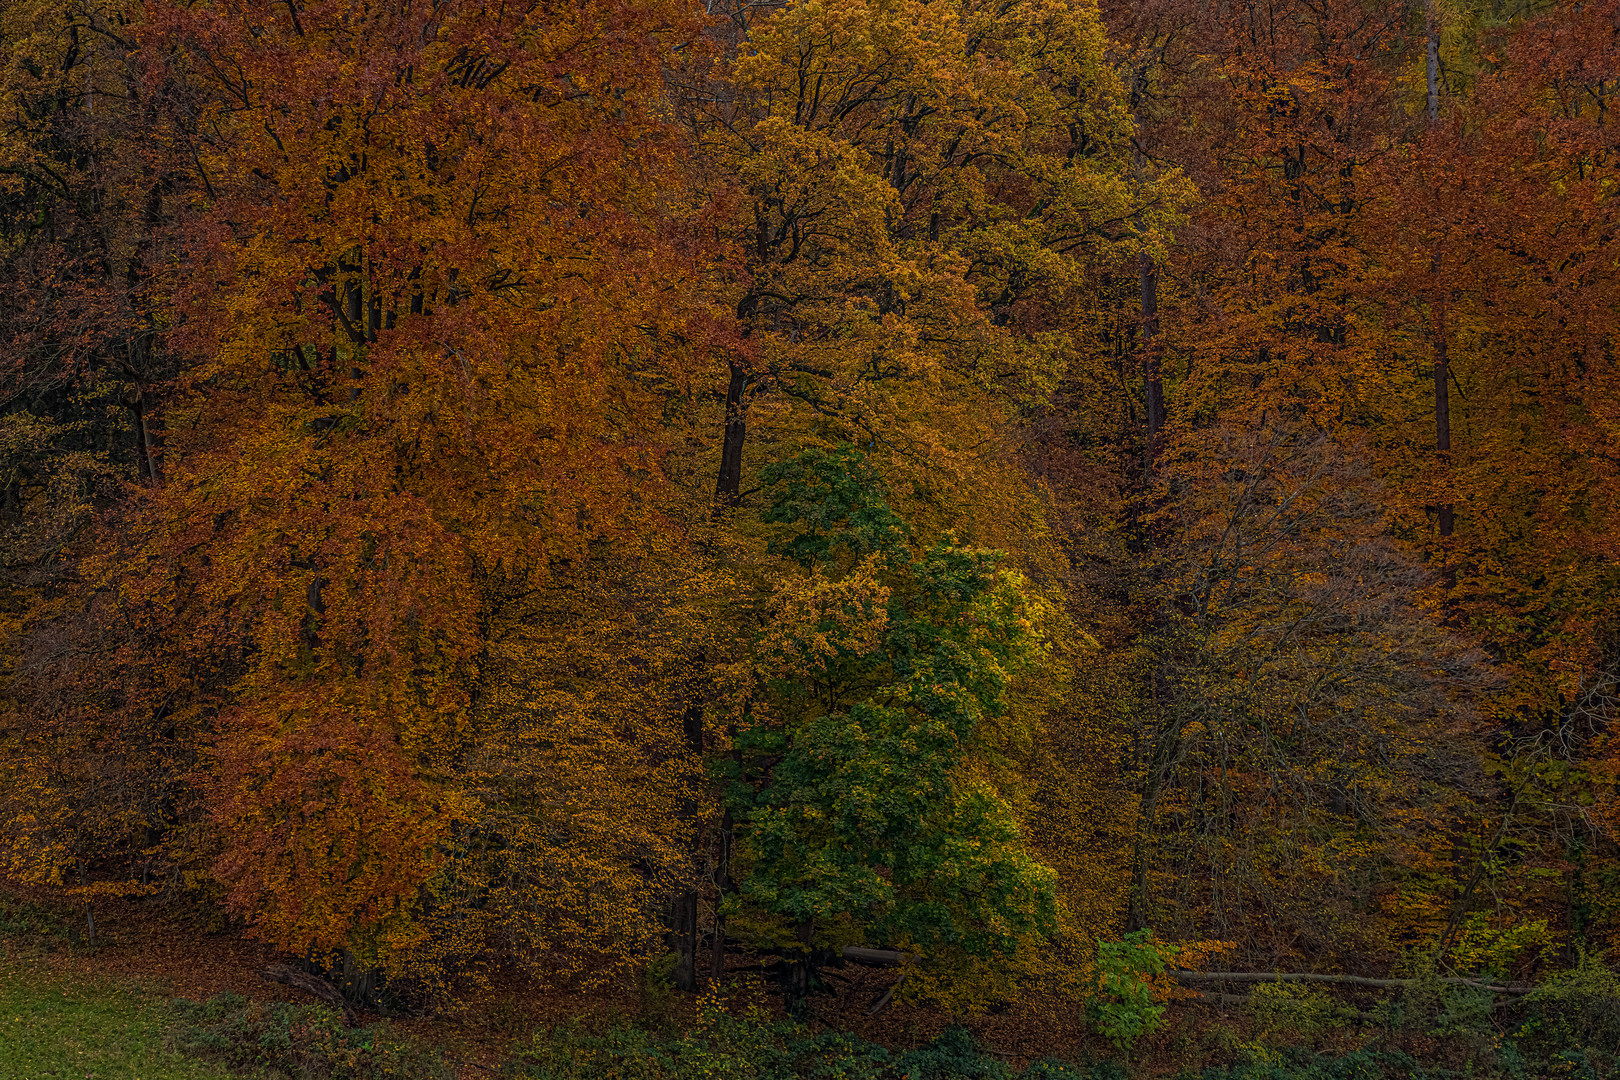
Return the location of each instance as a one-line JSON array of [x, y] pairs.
[[684, 914], [728, 486], [801, 972], [684, 927], [1442, 420]]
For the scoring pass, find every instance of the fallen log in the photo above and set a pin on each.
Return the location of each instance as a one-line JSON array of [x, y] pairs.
[[309, 984], [875, 957], [1342, 980], [887, 997]]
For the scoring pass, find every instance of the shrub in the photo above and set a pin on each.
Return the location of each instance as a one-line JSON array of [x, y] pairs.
[[756, 1047], [1360, 1065], [1578, 1010], [34, 925], [301, 1042], [952, 1056], [1122, 1002], [1305, 1010], [721, 1047]]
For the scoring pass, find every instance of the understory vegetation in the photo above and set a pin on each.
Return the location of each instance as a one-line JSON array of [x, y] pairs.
[[52, 1029]]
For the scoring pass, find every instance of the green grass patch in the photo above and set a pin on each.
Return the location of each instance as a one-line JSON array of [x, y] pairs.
[[50, 1029]]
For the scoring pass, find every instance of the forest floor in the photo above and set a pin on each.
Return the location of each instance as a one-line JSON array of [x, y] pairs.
[[138, 948], [104, 1003]]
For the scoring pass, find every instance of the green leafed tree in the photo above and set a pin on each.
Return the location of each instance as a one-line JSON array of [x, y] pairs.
[[867, 788]]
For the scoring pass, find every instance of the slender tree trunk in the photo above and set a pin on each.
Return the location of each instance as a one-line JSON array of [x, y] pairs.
[[89, 908], [1140, 912], [1148, 296], [685, 933], [152, 438], [1432, 23], [1442, 419], [1147, 332], [148, 440], [1442, 369], [1147, 344]]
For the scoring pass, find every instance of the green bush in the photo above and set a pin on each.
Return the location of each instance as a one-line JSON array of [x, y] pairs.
[[721, 1047], [1577, 1011], [1298, 1008], [952, 1056], [34, 925], [1121, 1005], [301, 1042], [1361, 1065], [756, 1047], [1048, 1069]]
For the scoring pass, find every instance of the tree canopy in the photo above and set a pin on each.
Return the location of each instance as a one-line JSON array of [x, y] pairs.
[[537, 487]]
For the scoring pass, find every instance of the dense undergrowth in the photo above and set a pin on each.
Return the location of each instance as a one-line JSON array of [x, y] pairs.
[[54, 1024], [298, 1041], [1566, 1032], [51, 1029]]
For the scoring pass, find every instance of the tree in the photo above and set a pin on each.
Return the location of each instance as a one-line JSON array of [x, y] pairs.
[[94, 771], [1304, 731], [921, 191], [419, 388], [868, 791]]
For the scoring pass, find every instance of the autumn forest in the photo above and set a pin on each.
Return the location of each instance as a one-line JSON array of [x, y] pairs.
[[1031, 494]]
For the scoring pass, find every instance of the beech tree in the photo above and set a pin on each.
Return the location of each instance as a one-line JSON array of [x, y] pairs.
[[419, 385], [921, 192]]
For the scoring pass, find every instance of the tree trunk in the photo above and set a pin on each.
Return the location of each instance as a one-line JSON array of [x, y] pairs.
[[89, 908], [310, 984], [1148, 295], [684, 916], [684, 927], [1442, 420], [1442, 370], [722, 883], [801, 972], [1147, 345], [147, 439], [1432, 21], [728, 486], [1161, 759]]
